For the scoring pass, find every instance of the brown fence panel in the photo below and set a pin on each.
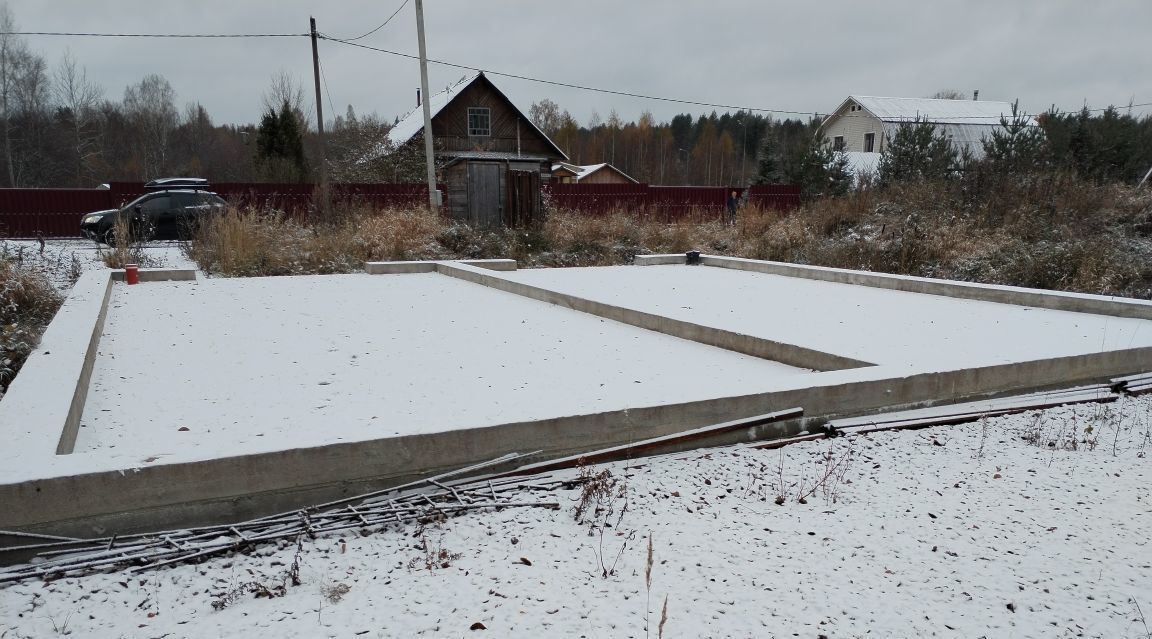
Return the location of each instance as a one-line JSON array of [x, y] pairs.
[[27, 213], [688, 203], [599, 199], [779, 197]]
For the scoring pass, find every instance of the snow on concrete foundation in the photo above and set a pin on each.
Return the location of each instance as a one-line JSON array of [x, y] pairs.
[[902, 331], [195, 370]]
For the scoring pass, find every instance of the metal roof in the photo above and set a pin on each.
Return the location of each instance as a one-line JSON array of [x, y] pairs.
[[585, 170], [495, 155], [934, 110], [413, 122]]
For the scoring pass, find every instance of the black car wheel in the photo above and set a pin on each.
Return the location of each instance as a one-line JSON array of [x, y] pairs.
[[109, 237]]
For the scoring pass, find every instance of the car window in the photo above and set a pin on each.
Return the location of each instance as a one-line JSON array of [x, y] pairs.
[[184, 199], [157, 204], [198, 199]]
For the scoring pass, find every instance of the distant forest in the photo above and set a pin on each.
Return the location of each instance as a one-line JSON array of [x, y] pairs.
[[59, 128]]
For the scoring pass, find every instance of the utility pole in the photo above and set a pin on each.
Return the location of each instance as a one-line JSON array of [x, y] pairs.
[[325, 194], [433, 194]]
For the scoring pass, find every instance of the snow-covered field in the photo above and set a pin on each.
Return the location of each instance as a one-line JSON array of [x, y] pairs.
[[961, 531]]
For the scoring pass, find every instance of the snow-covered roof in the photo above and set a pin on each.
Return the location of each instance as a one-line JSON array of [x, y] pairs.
[[584, 170], [413, 122], [934, 110]]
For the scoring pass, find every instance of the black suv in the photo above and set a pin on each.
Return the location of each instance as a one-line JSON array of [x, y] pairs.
[[170, 210]]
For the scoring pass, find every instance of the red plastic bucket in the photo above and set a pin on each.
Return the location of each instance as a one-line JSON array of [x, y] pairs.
[[132, 273]]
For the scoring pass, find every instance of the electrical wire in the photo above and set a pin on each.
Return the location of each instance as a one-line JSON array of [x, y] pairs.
[[640, 95], [569, 85], [382, 25], [155, 35], [351, 42], [327, 90]]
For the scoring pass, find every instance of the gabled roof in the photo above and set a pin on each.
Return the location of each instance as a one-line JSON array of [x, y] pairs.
[[932, 110], [413, 122], [584, 170]]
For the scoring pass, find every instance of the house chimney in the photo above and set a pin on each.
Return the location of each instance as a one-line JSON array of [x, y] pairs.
[[418, 103], [976, 95]]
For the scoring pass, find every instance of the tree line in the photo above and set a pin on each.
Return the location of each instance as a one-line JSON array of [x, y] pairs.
[[59, 128]]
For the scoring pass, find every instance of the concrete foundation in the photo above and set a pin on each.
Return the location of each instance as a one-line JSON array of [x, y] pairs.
[[39, 416]]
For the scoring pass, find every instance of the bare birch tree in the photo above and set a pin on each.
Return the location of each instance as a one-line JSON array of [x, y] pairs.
[[151, 109], [78, 98]]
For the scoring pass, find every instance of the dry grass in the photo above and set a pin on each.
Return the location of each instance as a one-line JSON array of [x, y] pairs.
[[28, 301], [1044, 231], [128, 250], [243, 243]]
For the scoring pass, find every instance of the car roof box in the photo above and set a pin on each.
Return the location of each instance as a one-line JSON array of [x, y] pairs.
[[176, 183]]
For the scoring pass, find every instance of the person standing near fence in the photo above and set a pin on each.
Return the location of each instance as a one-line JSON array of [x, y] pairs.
[[733, 203]]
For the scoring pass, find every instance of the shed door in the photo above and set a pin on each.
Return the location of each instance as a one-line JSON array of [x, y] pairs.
[[523, 198], [484, 201]]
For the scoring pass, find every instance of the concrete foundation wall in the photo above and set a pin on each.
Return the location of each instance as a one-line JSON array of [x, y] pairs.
[[790, 354], [1056, 300], [236, 488], [400, 268], [158, 275], [41, 412]]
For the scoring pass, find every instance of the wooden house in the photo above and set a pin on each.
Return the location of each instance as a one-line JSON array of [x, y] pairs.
[[494, 159], [604, 173]]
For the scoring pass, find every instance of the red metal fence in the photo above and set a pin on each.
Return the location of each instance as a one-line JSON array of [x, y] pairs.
[[50, 212], [668, 203], [25, 213]]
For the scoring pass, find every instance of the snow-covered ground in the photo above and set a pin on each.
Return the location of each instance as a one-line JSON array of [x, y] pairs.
[[960, 531]]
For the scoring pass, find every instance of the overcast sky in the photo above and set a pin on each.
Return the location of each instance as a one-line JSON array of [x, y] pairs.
[[787, 54]]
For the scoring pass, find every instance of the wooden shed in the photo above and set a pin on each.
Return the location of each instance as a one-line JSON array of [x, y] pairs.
[[494, 159]]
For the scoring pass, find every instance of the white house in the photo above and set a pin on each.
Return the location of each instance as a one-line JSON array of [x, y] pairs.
[[864, 124]]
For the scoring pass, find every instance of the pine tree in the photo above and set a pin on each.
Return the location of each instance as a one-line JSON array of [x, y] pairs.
[[280, 146], [818, 169], [768, 165], [915, 153], [1017, 146]]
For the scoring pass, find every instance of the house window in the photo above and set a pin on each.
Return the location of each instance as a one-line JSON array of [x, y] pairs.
[[479, 121], [869, 142], [838, 143]]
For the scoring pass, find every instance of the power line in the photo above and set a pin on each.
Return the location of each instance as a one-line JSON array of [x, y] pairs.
[[155, 35], [382, 25], [327, 89], [350, 42], [569, 85], [643, 96]]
